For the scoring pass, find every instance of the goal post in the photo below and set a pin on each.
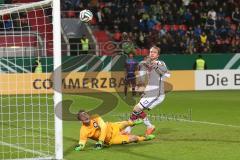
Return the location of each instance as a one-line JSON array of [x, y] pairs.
[[57, 79], [30, 53]]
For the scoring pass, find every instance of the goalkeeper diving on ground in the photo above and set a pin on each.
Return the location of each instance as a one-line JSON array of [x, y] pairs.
[[105, 133]]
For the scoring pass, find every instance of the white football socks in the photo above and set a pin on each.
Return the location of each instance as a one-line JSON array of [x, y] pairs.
[[128, 130], [147, 122]]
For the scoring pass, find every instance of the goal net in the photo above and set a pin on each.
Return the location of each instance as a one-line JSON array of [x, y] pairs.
[[28, 125]]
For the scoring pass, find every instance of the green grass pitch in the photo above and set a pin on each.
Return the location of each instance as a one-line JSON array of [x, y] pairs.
[[196, 139], [210, 130]]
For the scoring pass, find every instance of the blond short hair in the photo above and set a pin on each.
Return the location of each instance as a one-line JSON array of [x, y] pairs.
[[157, 48]]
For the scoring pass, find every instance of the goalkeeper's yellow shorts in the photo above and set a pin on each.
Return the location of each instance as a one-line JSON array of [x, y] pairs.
[[117, 137]]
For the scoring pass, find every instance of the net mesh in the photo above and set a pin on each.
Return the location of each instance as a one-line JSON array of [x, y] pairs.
[[26, 63]]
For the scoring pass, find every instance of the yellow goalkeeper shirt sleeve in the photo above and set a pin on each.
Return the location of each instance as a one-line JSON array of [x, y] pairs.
[[83, 136]]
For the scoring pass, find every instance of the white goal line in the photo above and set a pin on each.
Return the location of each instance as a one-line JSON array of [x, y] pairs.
[[40, 158], [23, 149]]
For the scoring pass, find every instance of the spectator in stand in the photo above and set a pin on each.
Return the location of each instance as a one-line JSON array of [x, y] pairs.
[[186, 2], [117, 23], [117, 36], [144, 23], [124, 25], [134, 37], [190, 44], [203, 19], [182, 48], [222, 32], [190, 17], [221, 13], [150, 23], [218, 44], [140, 7], [236, 16], [133, 23], [238, 30], [197, 31], [212, 14], [203, 38], [164, 45], [141, 40], [212, 41], [210, 23], [7, 22], [99, 17], [225, 8], [127, 45], [235, 44], [220, 21]]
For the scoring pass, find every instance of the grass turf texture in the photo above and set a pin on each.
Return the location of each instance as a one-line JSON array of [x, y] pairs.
[[175, 139], [26, 123]]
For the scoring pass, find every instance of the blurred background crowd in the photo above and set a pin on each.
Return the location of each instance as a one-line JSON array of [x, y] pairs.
[[177, 26]]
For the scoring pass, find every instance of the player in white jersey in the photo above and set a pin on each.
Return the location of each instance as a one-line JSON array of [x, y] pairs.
[[154, 92]]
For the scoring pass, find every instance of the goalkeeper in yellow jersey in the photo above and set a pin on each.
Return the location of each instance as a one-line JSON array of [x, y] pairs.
[[95, 128]]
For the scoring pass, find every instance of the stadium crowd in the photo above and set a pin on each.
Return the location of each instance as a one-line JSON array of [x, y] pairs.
[[177, 26]]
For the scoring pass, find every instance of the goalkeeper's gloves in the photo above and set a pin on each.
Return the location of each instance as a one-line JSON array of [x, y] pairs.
[[79, 147], [99, 145]]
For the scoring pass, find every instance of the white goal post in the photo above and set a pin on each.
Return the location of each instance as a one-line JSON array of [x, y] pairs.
[[57, 78], [30, 52]]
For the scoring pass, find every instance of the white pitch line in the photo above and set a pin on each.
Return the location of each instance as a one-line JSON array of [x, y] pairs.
[[23, 149], [193, 121], [37, 158], [209, 123], [204, 122]]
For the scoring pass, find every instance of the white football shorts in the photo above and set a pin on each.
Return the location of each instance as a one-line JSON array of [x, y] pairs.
[[151, 102]]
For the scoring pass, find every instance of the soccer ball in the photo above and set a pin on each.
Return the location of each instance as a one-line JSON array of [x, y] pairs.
[[85, 15]]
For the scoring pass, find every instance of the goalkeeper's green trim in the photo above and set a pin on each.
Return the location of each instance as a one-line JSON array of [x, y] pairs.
[[79, 147], [137, 122], [99, 145], [149, 137]]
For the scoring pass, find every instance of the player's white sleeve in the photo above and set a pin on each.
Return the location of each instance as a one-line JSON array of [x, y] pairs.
[[161, 68], [168, 75], [142, 72]]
